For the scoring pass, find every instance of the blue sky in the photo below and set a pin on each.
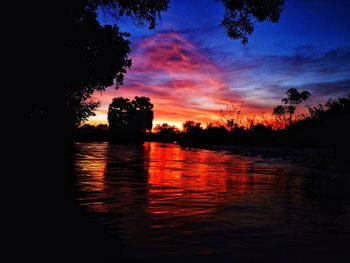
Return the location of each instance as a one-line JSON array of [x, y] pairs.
[[309, 48]]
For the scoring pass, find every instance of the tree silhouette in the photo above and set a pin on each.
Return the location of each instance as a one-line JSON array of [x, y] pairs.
[[294, 97], [192, 132], [165, 128], [339, 105], [130, 118], [98, 56], [118, 114], [83, 110], [241, 15], [285, 114], [165, 132], [141, 11], [143, 113], [78, 56], [191, 126]]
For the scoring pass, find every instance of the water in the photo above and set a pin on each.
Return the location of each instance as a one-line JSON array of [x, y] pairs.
[[166, 201]]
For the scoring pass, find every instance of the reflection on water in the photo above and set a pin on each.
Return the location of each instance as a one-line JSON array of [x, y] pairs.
[[165, 200]]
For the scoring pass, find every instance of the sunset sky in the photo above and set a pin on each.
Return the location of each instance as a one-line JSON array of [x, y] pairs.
[[191, 70]]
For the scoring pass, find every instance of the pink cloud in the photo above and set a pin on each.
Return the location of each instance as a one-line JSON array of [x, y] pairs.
[[182, 82]]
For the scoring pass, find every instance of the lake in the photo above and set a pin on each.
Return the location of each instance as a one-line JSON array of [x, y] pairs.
[[164, 201]]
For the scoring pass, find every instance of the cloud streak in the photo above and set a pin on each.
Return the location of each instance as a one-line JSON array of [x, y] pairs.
[[186, 81], [182, 82]]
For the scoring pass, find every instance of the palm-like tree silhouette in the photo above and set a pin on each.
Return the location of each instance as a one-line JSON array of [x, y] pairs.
[[143, 113]]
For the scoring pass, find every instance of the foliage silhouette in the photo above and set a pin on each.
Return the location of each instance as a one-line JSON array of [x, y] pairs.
[[327, 126], [191, 126], [215, 134], [165, 132], [193, 132], [294, 97], [241, 15], [130, 119], [286, 113], [78, 56], [89, 132], [99, 55]]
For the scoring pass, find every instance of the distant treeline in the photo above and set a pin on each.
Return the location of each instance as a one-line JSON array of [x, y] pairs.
[[325, 126]]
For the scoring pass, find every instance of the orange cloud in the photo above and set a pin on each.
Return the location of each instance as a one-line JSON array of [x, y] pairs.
[[181, 80]]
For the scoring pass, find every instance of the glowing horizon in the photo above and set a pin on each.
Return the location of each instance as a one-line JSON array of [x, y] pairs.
[[191, 70], [181, 81]]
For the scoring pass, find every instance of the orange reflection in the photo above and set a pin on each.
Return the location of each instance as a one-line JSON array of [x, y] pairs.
[[170, 183], [91, 165], [199, 180]]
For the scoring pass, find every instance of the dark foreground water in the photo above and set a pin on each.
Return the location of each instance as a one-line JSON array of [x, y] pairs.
[[166, 202]]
